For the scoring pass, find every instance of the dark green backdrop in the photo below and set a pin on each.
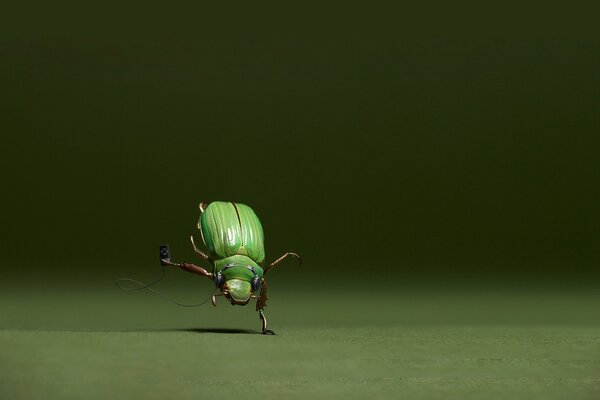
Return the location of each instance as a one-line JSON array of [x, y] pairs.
[[442, 150]]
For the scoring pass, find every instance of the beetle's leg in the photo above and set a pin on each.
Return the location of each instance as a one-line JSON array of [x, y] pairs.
[[194, 269], [261, 302], [283, 257], [197, 251], [263, 319], [202, 206]]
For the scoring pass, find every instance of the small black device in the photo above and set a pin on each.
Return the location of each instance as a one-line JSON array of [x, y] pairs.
[[165, 253]]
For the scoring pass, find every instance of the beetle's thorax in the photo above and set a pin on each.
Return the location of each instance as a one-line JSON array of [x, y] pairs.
[[236, 260]]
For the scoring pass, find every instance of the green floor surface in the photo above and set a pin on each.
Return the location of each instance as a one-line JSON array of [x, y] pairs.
[[429, 345]]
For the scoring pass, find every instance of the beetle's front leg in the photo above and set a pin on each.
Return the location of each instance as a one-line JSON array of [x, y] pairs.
[[283, 257], [194, 269], [263, 319], [261, 303]]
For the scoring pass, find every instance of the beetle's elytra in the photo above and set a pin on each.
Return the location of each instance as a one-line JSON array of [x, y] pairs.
[[234, 239]]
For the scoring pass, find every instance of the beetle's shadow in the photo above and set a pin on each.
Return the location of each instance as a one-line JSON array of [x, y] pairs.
[[216, 330]]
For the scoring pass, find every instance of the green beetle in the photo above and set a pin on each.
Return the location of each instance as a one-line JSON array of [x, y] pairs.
[[234, 238]]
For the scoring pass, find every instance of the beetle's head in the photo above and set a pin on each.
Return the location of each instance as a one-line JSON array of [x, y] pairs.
[[237, 291], [238, 282]]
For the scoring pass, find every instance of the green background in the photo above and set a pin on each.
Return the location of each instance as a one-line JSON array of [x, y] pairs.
[[437, 170]]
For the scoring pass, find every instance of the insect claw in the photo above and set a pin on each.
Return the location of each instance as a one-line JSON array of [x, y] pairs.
[[167, 262], [297, 257], [202, 206]]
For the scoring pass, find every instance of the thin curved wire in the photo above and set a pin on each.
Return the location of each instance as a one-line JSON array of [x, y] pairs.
[[148, 287]]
